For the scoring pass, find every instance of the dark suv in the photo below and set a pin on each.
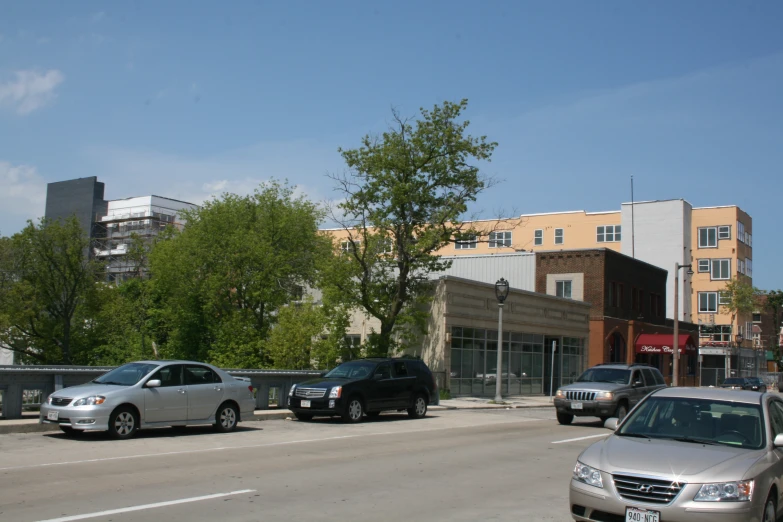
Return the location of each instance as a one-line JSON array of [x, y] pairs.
[[366, 387], [607, 390]]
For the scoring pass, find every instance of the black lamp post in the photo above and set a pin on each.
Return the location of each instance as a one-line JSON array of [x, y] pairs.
[[501, 292], [676, 336]]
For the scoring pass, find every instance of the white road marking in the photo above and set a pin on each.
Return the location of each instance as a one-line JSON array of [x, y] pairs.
[[266, 445], [580, 438], [147, 506]]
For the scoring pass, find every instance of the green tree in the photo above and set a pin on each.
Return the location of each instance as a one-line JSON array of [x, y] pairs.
[[404, 195], [224, 277], [773, 303], [739, 298], [49, 287]]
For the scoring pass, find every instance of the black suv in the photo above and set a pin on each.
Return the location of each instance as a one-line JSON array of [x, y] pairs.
[[366, 387]]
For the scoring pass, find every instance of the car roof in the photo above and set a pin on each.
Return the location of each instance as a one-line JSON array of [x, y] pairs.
[[717, 394]]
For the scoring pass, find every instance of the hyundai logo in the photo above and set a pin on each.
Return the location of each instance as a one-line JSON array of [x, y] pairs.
[[645, 488]]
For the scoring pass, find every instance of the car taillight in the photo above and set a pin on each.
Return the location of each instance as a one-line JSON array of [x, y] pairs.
[[250, 388]]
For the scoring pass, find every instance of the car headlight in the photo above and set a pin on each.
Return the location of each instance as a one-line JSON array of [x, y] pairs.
[[92, 400], [740, 491], [588, 475], [49, 400], [336, 392], [604, 396], [291, 391], [560, 394]]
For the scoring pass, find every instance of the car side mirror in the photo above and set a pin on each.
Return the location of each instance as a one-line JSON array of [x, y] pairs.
[[778, 442], [611, 423], [323, 374], [638, 384], [153, 383], [378, 376]]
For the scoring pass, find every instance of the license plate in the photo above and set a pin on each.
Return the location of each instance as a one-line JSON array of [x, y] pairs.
[[576, 405], [305, 404], [641, 515], [53, 415]]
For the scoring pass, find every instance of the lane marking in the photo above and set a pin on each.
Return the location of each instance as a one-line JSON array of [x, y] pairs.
[[265, 445], [147, 506], [580, 438]]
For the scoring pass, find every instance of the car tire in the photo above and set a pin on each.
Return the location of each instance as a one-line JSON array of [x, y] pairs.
[[564, 418], [621, 412], [419, 408], [373, 414], [226, 418], [303, 416], [354, 410], [770, 509], [123, 423]]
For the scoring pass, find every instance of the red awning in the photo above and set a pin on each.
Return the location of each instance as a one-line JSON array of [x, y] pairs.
[[662, 343]]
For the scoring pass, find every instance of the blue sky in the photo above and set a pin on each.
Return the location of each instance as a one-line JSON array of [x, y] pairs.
[[189, 99]]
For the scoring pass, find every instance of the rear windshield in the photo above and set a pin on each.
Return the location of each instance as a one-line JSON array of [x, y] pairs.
[[612, 375]]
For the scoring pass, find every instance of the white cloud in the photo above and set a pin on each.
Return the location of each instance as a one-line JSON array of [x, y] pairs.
[[23, 194], [30, 90]]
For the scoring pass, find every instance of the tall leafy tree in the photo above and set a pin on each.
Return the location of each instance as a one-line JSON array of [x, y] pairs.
[[48, 293], [404, 195], [739, 298], [224, 277], [773, 303]]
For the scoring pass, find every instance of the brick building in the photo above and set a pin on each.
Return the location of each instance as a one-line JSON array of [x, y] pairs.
[[628, 311]]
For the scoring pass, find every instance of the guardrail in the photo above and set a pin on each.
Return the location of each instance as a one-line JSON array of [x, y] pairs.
[[25, 387]]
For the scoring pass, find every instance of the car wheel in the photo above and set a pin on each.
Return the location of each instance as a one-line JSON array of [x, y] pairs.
[[303, 416], [769, 510], [226, 418], [419, 408], [373, 414], [564, 418], [622, 411], [353, 410], [123, 423]]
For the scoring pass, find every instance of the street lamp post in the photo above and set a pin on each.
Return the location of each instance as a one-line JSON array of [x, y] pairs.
[[501, 292], [676, 334]]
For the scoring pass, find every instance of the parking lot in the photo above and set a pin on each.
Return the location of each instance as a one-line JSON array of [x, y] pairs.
[[455, 465]]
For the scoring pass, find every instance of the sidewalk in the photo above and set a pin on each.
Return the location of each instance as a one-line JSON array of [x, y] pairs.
[[30, 424]]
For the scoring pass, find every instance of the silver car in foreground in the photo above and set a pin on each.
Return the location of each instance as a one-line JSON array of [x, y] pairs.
[[686, 455], [151, 394]]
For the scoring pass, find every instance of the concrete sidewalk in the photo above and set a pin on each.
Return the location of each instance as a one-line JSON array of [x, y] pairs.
[[30, 422]]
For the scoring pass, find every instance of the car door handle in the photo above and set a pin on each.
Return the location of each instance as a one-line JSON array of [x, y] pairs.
[[182, 391], [218, 388]]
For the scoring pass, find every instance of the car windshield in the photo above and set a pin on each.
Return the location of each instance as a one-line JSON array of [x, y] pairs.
[[352, 370], [705, 421], [127, 374], [734, 380], [613, 375]]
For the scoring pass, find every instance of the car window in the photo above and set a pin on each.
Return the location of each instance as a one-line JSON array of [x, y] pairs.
[[658, 377], [400, 369], [169, 375], [636, 376], [649, 377], [200, 375], [384, 370], [776, 417]]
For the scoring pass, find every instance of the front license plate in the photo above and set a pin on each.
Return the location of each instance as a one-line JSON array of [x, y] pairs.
[[576, 405], [305, 404], [53, 415], [641, 515]]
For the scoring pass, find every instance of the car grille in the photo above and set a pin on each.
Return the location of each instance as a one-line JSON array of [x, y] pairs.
[[580, 395], [310, 393], [61, 401], [646, 489]]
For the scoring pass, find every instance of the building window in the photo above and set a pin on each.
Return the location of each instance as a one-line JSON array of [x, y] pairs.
[[740, 232], [708, 237], [558, 236], [721, 269], [756, 317], [724, 299], [538, 237], [704, 265], [609, 233], [349, 246], [716, 332], [708, 302], [500, 239], [466, 242], [750, 240], [740, 266], [748, 267], [563, 289], [724, 232]]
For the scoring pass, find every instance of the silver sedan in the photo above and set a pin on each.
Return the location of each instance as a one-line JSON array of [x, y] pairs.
[[151, 394], [686, 455]]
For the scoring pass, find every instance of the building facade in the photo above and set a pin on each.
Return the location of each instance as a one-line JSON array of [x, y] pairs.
[[82, 197]]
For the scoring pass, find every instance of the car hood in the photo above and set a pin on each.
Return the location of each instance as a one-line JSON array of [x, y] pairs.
[[324, 382], [593, 386], [686, 461], [85, 390]]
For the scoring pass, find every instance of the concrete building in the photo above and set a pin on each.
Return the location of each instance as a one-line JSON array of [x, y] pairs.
[[82, 197]]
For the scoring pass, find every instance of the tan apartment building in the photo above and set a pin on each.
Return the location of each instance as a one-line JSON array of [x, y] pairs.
[[716, 241]]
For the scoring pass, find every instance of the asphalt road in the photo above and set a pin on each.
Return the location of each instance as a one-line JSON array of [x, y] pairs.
[[451, 465]]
